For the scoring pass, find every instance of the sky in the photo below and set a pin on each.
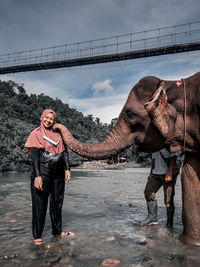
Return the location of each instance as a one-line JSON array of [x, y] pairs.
[[100, 89]]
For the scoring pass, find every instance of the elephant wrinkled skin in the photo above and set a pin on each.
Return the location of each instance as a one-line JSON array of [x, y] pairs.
[[157, 114]]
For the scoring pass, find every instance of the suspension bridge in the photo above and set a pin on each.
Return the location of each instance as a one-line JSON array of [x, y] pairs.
[[155, 42]]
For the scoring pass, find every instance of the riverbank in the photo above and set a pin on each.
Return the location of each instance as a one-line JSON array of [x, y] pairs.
[[102, 164]]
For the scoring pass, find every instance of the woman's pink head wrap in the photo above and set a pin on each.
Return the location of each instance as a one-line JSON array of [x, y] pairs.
[[46, 112], [36, 139]]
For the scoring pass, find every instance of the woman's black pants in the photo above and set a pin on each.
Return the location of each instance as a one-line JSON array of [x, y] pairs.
[[54, 187]]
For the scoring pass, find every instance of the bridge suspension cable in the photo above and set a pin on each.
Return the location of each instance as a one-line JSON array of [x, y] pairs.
[[155, 42]]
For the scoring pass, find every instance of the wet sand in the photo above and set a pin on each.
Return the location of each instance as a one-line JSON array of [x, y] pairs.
[[104, 209]]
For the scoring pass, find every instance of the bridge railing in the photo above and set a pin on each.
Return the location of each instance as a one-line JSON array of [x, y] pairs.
[[155, 38]]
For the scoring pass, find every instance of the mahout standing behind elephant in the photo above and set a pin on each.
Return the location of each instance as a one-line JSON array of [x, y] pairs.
[[163, 173], [159, 114]]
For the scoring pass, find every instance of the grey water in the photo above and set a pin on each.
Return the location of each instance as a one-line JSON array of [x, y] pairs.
[[104, 209]]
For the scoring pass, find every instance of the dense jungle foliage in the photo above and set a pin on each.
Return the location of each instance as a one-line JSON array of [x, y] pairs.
[[20, 114]]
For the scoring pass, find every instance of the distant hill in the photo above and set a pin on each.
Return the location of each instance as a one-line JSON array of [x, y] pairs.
[[20, 114]]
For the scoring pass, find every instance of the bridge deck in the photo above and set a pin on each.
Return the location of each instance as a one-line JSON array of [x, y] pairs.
[[162, 41]]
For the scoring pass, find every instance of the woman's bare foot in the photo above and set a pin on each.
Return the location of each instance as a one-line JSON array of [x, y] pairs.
[[68, 234], [38, 241]]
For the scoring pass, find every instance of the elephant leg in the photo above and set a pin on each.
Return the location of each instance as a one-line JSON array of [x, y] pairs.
[[190, 179]]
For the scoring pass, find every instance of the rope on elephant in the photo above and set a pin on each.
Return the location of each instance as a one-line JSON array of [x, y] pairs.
[[184, 118]]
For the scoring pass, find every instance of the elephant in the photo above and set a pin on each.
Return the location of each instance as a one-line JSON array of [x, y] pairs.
[[159, 113]]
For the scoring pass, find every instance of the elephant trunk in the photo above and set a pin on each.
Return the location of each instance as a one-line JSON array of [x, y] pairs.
[[118, 139]]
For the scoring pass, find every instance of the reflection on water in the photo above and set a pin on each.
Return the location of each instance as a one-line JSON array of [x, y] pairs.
[[104, 209]]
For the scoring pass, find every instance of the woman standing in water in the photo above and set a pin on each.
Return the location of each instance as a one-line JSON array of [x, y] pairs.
[[51, 169]]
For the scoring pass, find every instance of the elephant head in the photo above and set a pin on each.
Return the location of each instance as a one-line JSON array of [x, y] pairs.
[[152, 117]]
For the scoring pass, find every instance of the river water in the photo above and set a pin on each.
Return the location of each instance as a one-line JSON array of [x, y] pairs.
[[103, 208]]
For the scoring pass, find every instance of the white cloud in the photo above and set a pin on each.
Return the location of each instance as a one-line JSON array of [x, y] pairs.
[[106, 113], [105, 108], [104, 87]]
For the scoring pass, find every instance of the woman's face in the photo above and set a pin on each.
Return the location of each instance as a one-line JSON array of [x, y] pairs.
[[48, 120]]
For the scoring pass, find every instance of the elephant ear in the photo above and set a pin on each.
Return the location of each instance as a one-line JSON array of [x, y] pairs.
[[157, 109]]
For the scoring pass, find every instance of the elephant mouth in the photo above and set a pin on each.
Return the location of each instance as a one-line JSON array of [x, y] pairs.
[[135, 148]]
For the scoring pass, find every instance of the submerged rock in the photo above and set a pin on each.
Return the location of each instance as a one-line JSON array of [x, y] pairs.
[[110, 262], [12, 221], [141, 240], [7, 257], [111, 238], [17, 228]]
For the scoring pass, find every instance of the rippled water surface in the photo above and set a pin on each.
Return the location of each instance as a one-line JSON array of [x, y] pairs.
[[103, 208]]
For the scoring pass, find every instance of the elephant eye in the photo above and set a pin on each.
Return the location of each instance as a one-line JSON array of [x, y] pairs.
[[130, 114]]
